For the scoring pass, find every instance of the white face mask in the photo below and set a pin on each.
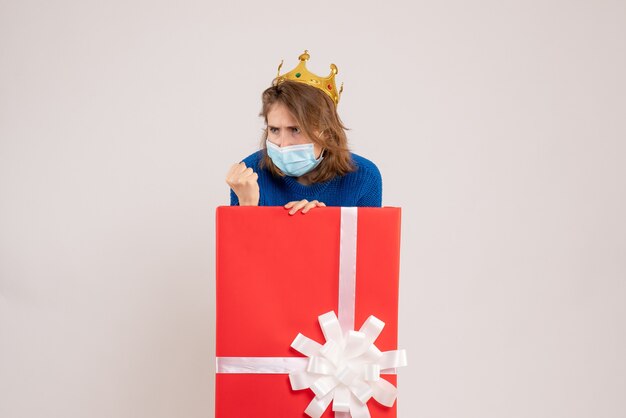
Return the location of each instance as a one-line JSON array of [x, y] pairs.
[[294, 160]]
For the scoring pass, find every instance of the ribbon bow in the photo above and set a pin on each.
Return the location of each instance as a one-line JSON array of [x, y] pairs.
[[346, 369]]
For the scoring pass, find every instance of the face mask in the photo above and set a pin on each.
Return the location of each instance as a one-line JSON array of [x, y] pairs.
[[294, 160]]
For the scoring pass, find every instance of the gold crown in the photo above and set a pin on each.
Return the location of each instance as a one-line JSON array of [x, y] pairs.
[[301, 74]]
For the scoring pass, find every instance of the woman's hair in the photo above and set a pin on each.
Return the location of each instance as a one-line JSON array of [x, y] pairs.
[[314, 111]]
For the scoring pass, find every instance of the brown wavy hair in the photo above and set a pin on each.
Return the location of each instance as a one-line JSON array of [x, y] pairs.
[[314, 111]]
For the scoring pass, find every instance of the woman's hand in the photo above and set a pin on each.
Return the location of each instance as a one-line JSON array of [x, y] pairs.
[[243, 181], [297, 205]]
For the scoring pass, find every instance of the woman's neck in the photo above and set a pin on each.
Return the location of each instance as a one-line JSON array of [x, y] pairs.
[[304, 180]]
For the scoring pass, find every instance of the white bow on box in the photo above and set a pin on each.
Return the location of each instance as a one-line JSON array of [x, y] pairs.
[[346, 370]]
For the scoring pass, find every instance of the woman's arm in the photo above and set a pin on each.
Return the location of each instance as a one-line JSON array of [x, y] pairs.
[[372, 190]]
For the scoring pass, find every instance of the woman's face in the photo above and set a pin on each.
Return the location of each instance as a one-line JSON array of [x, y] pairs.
[[283, 129]]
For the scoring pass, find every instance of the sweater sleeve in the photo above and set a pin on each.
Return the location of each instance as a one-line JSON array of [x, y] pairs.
[[372, 191], [234, 200]]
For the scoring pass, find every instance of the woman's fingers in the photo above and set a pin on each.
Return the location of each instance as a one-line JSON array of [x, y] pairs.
[[240, 175], [311, 205], [235, 171], [299, 205], [304, 204], [245, 174]]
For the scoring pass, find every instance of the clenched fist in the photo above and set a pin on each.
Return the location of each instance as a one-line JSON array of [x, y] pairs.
[[243, 181]]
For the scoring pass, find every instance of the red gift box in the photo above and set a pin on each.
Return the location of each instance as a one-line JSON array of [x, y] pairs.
[[277, 273]]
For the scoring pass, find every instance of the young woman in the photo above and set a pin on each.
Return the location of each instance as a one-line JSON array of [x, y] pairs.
[[304, 161]]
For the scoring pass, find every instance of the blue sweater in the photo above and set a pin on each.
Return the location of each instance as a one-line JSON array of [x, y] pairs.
[[362, 187]]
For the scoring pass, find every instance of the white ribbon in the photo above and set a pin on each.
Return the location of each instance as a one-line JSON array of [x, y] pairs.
[[346, 369], [264, 365], [347, 267]]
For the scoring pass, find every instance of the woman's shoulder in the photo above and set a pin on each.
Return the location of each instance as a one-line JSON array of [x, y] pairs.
[[365, 167]]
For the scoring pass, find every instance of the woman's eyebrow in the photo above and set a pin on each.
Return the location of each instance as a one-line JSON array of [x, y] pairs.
[[274, 127]]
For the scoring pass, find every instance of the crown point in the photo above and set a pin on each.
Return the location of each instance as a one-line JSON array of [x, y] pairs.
[[303, 75], [278, 71]]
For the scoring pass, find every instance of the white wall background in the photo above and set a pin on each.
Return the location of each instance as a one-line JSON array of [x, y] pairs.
[[498, 126]]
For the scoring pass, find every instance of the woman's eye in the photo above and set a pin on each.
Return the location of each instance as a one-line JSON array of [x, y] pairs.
[[296, 130], [273, 130]]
